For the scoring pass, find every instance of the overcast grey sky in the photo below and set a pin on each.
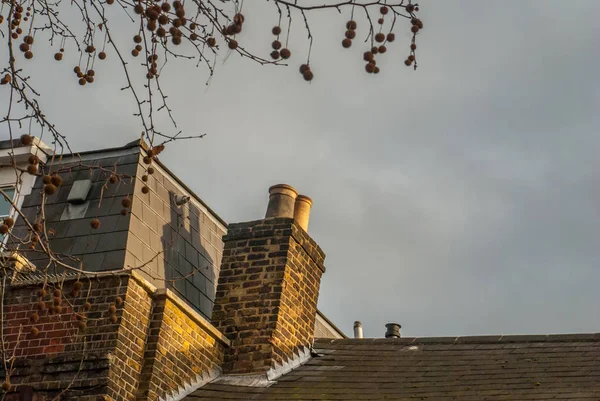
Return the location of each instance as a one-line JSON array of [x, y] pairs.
[[460, 199]]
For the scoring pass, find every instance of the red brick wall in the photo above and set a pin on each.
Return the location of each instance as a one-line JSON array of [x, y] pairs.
[[267, 295], [135, 340]]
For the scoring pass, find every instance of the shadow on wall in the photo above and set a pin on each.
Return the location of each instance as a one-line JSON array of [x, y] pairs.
[[189, 267]]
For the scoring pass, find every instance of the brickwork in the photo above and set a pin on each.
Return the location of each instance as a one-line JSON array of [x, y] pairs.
[[267, 294], [62, 355], [182, 350], [109, 357]]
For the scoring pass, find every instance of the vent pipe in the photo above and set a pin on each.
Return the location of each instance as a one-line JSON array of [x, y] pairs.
[[393, 330], [282, 198], [302, 211], [358, 332]]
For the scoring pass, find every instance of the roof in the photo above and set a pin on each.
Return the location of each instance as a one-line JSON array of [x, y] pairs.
[[557, 367]]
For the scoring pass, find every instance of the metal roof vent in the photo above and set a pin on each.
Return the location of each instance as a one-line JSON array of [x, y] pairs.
[[358, 329], [79, 191], [393, 330]]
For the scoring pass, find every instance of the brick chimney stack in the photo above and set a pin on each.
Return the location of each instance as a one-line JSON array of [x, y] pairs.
[[266, 300]]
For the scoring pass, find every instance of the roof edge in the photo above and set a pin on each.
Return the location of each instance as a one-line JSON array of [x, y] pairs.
[[490, 339]]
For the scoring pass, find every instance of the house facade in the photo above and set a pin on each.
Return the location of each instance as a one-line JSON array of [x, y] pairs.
[[142, 292]]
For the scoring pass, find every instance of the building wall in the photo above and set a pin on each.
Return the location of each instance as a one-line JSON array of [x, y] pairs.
[[325, 329], [154, 346], [180, 244]]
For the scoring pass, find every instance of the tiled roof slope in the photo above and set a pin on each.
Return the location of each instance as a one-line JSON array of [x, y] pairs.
[[555, 367]]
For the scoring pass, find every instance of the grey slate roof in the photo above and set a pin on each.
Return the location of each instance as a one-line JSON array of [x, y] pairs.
[[555, 367]]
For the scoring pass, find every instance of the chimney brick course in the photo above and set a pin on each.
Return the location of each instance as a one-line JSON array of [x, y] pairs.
[[267, 294]]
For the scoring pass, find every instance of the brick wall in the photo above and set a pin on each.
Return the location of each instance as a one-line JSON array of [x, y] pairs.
[[183, 349], [134, 339], [267, 293]]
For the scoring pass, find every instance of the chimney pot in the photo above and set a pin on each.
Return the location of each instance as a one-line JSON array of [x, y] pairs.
[[393, 330], [302, 211], [281, 201], [358, 329]]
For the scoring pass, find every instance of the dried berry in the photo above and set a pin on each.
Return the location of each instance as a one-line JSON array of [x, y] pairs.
[[87, 306], [33, 159], [90, 49], [276, 45], [351, 25], [118, 301], [382, 49], [101, 55], [28, 55], [346, 43], [384, 10], [413, 29], [145, 178], [411, 57], [49, 189], [368, 56], [124, 212], [233, 44], [82, 81], [34, 317], [41, 305], [77, 285], [380, 37], [6, 386], [26, 139], [34, 333], [3, 229], [275, 55], [147, 160], [350, 34], [165, 7], [150, 170], [407, 62], [28, 39], [211, 42], [113, 179], [56, 180], [276, 30], [58, 56], [391, 37], [95, 223], [9, 222], [375, 50], [57, 301], [112, 309], [413, 46], [308, 75], [303, 68], [43, 292], [32, 169], [126, 202], [138, 9], [82, 325], [114, 318], [285, 53], [145, 189], [370, 67], [23, 47], [380, 21], [135, 53], [37, 226]]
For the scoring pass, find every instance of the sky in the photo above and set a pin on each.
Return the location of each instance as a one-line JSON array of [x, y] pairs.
[[459, 199]]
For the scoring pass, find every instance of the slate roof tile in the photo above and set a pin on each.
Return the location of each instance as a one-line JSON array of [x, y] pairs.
[[553, 367]]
